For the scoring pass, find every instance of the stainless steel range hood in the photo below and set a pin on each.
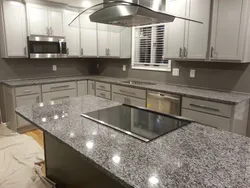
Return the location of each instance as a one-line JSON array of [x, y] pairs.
[[129, 13]]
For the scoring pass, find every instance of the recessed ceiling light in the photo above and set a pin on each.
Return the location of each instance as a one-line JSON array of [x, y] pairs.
[[86, 4], [89, 145], [116, 159], [153, 180]]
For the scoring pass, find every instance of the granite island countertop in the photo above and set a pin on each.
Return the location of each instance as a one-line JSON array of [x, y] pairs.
[[219, 96], [193, 156]]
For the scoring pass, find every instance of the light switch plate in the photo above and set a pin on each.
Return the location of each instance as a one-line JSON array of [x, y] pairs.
[[175, 72], [192, 73], [54, 68], [124, 67]]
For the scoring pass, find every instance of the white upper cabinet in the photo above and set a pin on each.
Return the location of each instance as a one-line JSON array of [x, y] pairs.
[[185, 39], [13, 30], [175, 31], [44, 20], [72, 34], [196, 39], [109, 40], [88, 36], [229, 37], [126, 43], [56, 22]]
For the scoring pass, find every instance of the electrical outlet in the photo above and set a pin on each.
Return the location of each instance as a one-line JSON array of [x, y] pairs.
[[124, 67], [192, 73], [54, 68], [175, 72]]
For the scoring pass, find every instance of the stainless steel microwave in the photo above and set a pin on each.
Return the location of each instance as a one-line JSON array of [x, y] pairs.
[[47, 47]]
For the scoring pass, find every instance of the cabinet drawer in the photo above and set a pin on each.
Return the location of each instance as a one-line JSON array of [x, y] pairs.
[[210, 107], [59, 95], [103, 86], [218, 122], [27, 90], [103, 94], [82, 88], [58, 86], [128, 91], [128, 100]]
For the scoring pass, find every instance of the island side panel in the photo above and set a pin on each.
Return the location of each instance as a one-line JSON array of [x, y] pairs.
[[69, 169]]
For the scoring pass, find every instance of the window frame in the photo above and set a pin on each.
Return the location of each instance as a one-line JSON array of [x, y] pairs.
[[141, 66]]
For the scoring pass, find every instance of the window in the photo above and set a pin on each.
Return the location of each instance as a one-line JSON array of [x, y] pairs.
[[148, 48]]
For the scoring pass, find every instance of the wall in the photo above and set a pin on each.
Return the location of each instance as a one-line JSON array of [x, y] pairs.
[[213, 75], [23, 68]]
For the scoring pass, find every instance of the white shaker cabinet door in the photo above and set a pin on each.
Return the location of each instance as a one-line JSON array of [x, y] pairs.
[[126, 43], [197, 34], [114, 43], [56, 22], [175, 31], [37, 20], [26, 100], [15, 29], [72, 34], [103, 39], [226, 30], [88, 36]]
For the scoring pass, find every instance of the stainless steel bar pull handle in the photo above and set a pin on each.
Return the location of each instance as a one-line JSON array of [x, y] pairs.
[[185, 52], [180, 52], [25, 50], [51, 31], [67, 51], [93, 86], [81, 51], [212, 52], [205, 107]]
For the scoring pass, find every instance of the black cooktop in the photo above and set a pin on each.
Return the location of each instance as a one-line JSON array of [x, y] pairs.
[[140, 123]]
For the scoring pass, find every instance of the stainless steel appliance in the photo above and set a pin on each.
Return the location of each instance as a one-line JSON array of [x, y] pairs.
[[141, 123], [47, 47], [130, 13], [164, 103]]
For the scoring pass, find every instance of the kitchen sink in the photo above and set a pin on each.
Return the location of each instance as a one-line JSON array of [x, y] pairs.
[[138, 82]]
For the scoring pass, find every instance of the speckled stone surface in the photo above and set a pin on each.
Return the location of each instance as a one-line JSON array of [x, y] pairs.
[[193, 156], [219, 96]]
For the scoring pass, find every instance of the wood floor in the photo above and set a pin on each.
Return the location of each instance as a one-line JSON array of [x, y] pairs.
[[37, 135]]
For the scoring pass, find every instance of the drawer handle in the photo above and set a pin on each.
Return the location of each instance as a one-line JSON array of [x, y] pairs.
[[60, 98], [58, 87], [128, 92], [101, 86], [27, 91], [102, 94], [204, 107]]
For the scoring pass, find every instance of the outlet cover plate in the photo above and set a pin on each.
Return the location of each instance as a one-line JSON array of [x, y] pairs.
[[54, 68], [175, 72], [192, 73], [124, 67]]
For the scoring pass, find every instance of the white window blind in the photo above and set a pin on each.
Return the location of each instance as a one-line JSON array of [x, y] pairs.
[[148, 48]]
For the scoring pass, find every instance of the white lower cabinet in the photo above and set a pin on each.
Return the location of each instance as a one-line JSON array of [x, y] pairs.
[[226, 117], [59, 95], [91, 87], [82, 88], [23, 101]]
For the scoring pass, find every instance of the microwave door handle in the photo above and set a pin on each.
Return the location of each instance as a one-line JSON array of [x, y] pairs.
[[60, 45]]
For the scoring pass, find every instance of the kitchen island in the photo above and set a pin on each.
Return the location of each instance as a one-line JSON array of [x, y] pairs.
[[192, 156]]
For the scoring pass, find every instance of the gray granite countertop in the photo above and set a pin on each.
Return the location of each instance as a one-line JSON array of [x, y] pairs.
[[220, 96], [193, 156]]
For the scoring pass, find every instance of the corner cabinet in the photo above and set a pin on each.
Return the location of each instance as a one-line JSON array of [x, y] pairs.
[[13, 29], [184, 39], [230, 31], [43, 20]]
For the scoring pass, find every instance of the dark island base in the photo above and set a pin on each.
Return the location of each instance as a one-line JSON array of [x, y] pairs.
[[69, 169]]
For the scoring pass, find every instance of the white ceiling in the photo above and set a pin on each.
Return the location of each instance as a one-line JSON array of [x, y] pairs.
[[77, 3]]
